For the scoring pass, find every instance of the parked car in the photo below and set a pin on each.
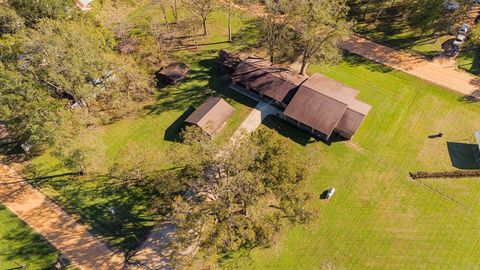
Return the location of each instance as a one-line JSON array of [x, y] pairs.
[[460, 38], [463, 29], [451, 5], [453, 50], [330, 193], [457, 43], [476, 2]]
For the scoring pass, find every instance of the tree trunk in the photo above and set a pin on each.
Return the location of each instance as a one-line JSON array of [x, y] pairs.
[[204, 22], [229, 22], [164, 12], [380, 11], [366, 9], [303, 68], [175, 13]]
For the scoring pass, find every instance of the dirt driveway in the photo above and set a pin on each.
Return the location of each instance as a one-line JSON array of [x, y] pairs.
[[444, 74], [72, 239]]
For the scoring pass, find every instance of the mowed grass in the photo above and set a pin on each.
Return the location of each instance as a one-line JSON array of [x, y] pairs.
[[19, 245], [379, 218], [157, 128]]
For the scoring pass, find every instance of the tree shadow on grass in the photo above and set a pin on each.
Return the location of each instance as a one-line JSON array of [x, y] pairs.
[[248, 37], [461, 155], [473, 64], [27, 247], [356, 60], [90, 197]]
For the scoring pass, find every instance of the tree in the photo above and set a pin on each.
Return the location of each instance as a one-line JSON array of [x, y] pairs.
[[323, 27], [135, 164], [275, 25], [76, 62], [200, 9], [235, 199], [29, 113], [34, 10], [10, 22], [60, 72], [230, 11]]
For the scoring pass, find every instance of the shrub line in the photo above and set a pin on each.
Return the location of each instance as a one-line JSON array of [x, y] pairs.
[[451, 174]]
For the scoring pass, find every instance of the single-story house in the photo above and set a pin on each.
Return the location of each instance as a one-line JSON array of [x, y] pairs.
[[211, 116], [275, 83], [318, 105], [173, 73], [323, 106]]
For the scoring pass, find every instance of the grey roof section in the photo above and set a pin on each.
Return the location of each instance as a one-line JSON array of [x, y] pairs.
[[212, 115]]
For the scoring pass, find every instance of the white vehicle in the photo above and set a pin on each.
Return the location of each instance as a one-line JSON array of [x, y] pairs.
[[461, 38], [451, 5], [330, 193], [456, 43], [463, 29]]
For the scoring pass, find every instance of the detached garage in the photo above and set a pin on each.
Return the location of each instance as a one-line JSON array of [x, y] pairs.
[[211, 116]]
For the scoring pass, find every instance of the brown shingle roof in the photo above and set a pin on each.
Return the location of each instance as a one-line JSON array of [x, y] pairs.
[[325, 105], [275, 82], [174, 72], [315, 110], [212, 115]]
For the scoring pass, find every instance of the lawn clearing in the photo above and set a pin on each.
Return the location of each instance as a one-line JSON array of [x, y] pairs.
[[156, 127], [379, 218], [19, 245]]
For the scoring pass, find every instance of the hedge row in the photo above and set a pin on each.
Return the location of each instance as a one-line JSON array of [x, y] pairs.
[[452, 174]]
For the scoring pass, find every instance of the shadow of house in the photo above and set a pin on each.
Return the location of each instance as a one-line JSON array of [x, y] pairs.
[[289, 131], [173, 132], [462, 156]]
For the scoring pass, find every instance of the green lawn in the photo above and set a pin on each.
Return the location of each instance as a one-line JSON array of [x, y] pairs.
[[19, 245], [156, 127], [469, 59], [380, 218]]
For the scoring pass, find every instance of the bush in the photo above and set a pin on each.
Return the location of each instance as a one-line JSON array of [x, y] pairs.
[[10, 22], [452, 174]]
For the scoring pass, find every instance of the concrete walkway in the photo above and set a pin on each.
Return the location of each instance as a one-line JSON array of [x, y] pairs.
[[442, 74], [72, 239], [255, 118]]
